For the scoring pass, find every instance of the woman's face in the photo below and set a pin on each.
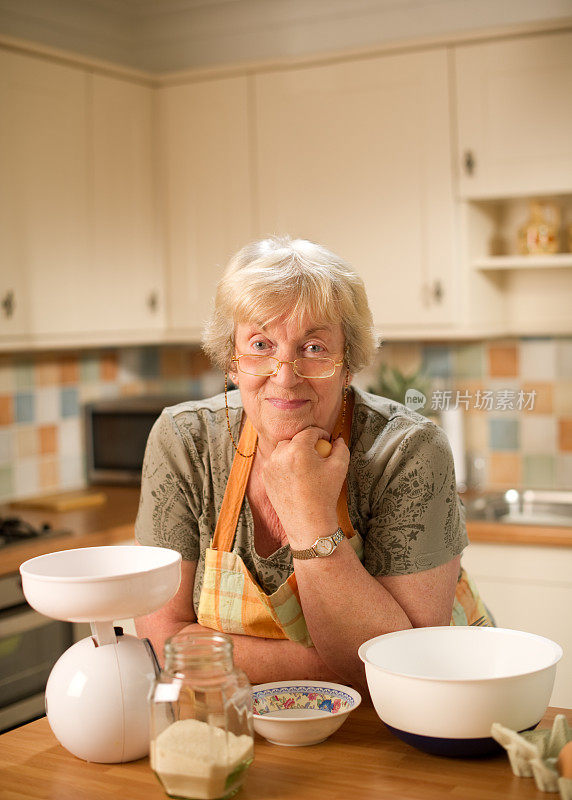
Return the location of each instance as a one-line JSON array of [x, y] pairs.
[[279, 406]]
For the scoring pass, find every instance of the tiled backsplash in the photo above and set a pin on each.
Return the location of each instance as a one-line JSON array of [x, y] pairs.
[[41, 398], [516, 397], [516, 400]]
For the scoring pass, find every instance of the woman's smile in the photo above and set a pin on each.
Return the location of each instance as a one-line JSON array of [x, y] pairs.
[[286, 405]]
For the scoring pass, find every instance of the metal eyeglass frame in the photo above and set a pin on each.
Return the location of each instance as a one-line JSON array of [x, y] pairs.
[[236, 359]]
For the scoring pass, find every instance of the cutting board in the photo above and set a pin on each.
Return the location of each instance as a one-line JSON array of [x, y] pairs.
[[66, 501]]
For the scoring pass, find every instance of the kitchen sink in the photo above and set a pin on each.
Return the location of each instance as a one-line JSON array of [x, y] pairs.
[[526, 507]]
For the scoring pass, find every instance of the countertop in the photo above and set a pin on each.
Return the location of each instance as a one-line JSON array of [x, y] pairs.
[[113, 522], [110, 523], [362, 760]]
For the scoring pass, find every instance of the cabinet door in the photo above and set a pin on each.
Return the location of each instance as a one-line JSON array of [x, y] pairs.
[[515, 116], [529, 588], [207, 191], [356, 156], [124, 293], [43, 196]]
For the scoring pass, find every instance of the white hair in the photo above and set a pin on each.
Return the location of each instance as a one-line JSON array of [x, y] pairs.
[[280, 278]]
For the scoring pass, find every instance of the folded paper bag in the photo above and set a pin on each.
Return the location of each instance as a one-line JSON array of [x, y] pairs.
[[535, 754]]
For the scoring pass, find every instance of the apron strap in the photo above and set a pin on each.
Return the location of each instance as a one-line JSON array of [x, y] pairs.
[[240, 471], [235, 489]]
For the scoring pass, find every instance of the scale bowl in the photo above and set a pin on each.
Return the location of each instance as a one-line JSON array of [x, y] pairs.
[[96, 584]]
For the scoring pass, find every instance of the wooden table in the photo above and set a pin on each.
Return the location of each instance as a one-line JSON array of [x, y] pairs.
[[361, 761]]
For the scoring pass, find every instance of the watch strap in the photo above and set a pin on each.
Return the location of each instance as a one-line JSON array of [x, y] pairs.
[[322, 547]]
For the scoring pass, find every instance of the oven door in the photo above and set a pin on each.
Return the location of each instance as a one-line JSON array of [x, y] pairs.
[[30, 644]]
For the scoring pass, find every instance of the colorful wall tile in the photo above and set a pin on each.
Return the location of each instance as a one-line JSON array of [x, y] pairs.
[[504, 434], [503, 360], [516, 397], [539, 471], [564, 471], [42, 398]]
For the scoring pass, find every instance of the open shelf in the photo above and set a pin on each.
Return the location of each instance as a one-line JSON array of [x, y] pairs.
[[523, 262], [526, 295]]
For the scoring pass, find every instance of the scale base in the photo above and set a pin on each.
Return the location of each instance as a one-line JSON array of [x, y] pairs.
[[97, 699]]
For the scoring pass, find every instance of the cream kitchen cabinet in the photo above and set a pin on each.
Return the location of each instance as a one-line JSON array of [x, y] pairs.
[[206, 191], [514, 116], [529, 588], [514, 129], [79, 251], [123, 294], [357, 155], [44, 242]]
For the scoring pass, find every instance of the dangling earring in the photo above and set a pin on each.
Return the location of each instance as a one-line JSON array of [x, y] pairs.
[[244, 455]]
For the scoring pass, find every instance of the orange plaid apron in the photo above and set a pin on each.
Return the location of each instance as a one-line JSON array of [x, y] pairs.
[[231, 600]]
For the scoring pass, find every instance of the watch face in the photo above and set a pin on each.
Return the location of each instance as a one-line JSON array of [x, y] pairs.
[[324, 547]]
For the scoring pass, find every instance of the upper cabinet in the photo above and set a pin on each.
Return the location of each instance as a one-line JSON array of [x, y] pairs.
[[124, 292], [78, 227], [206, 191], [44, 242], [514, 113], [122, 197], [356, 156]]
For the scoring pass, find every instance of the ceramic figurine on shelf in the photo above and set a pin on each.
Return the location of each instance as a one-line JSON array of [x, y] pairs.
[[540, 233]]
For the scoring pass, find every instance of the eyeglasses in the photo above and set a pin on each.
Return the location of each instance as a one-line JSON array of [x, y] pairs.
[[265, 366]]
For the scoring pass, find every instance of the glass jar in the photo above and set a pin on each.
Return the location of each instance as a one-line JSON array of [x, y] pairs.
[[201, 718]]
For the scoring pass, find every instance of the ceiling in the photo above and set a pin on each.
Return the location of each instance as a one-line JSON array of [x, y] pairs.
[[168, 35]]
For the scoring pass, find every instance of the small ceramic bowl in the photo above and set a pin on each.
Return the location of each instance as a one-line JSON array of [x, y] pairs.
[[296, 713]]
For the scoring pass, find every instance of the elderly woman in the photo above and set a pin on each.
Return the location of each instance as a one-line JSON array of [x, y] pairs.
[[299, 554]]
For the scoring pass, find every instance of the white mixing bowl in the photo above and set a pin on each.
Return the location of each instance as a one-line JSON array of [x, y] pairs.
[[440, 689]]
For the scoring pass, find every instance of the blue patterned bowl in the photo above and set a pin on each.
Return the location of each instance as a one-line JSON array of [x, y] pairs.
[[296, 713]]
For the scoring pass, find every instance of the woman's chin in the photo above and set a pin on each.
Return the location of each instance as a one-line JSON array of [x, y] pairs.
[[286, 432], [286, 429]]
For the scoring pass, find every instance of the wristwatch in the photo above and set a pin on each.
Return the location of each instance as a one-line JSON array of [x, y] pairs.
[[322, 547]]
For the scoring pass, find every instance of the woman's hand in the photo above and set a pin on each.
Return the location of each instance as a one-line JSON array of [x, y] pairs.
[[304, 487]]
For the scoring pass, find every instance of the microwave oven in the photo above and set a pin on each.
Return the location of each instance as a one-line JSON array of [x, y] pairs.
[[116, 433]]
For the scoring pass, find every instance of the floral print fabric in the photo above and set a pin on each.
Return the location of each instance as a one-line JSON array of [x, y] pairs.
[[402, 496]]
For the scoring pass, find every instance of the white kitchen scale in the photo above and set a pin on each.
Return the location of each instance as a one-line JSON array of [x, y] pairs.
[[97, 692]]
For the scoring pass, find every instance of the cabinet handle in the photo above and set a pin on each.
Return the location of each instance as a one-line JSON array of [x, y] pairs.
[[153, 302], [432, 293], [437, 291], [8, 304], [469, 162]]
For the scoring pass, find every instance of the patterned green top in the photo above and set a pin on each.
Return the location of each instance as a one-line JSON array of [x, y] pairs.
[[402, 496]]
